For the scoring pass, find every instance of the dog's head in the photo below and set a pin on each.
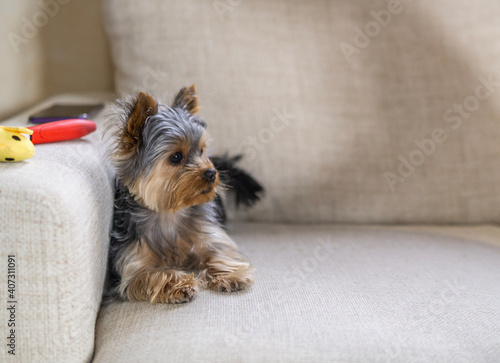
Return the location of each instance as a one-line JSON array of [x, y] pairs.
[[161, 153]]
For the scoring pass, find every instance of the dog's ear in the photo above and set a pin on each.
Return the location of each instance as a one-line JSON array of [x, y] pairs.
[[187, 98], [140, 109]]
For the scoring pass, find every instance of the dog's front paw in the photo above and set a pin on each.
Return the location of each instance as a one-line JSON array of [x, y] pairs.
[[232, 282], [184, 293], [178, 290]]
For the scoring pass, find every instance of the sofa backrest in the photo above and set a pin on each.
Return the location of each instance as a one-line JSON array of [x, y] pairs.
[[347, 111]]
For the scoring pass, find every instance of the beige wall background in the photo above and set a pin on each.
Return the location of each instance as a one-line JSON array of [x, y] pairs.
[[49, 47]]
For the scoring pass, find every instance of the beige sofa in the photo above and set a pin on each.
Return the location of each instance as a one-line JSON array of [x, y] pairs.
[[374, 127]]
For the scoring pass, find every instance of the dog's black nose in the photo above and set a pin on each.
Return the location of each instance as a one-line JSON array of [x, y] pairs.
[[210, 174]]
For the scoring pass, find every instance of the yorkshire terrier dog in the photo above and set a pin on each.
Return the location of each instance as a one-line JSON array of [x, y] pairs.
[[168, 237]]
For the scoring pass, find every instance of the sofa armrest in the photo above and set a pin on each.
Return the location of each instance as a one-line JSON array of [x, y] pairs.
[[56, 213]]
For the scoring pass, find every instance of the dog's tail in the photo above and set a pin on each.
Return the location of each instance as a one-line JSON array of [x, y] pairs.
[[247, 190]]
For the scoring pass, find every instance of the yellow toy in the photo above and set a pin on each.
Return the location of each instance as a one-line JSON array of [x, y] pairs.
[[14, 146]]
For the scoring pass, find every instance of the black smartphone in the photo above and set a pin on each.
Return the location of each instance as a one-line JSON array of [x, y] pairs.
[[63, 112]]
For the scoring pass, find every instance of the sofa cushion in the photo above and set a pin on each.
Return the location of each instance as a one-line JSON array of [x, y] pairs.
[[329, 294], [354, 111], [56, 211]]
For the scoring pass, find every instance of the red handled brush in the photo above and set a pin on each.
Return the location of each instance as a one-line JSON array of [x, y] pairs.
[[63, 130]]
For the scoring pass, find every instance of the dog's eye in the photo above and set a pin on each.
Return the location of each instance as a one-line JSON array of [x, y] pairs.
[[176, 158], [201, 151]]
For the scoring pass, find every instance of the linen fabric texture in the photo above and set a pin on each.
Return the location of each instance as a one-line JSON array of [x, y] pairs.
[[353, 112]]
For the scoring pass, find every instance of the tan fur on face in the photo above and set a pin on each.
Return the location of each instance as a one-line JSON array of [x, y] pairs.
[[169, 188], [202, 144]]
